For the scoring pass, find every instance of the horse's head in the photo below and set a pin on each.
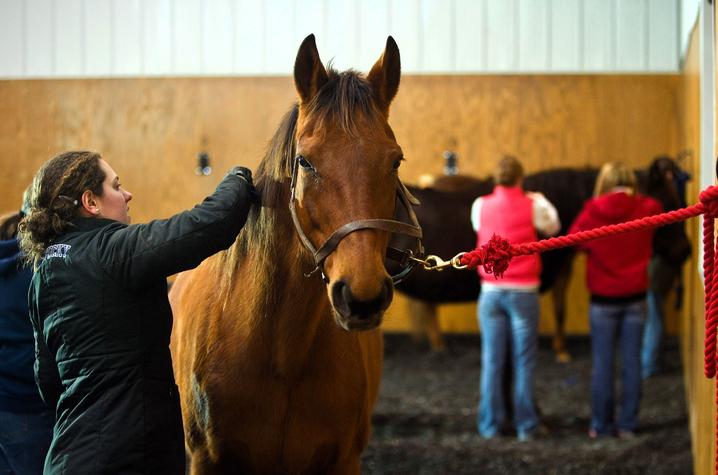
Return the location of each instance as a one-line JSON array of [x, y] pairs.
[[666, 180], [345, 179]]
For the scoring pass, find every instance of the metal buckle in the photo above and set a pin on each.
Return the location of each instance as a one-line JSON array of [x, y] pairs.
[[438, 264]]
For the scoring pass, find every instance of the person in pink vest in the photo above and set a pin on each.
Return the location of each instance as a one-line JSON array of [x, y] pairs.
[[617, 278], [509, 307]]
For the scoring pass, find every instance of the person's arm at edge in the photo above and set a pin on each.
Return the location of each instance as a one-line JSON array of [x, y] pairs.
[[476, 214], [545, 216]]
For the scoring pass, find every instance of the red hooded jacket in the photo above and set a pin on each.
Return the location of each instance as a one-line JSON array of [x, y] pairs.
[[617, 265]]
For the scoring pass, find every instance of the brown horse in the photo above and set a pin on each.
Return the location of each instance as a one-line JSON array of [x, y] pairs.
[[272, 377], [567, 189]]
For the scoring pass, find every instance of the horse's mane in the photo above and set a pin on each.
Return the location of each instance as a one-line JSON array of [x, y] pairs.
[[342, 98]]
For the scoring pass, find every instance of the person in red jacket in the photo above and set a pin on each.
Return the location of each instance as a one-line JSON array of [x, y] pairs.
[[617, 278]]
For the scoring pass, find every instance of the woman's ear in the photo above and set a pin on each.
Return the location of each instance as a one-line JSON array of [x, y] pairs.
[[90, 205]]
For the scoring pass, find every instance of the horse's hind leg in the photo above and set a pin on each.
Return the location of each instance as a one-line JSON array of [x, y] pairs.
[[559, 291], [425, 324]]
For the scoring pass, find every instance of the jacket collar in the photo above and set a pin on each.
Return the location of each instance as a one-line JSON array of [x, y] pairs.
[[88, 224]]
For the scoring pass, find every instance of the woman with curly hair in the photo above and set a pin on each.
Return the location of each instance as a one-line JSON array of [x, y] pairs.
[[99, 308]]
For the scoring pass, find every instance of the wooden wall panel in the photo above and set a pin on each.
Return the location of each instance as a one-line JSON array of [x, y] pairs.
[[152, 129], [547, 121], [700, 391]]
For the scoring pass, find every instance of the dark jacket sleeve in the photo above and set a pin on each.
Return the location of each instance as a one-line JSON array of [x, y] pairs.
[[46, 374], [138, 253]]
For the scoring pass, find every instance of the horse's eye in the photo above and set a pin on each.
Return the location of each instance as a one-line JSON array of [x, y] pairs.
[[304, 163], [397, 163]]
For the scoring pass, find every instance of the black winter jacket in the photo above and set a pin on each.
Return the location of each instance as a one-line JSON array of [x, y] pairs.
[[102, 322]]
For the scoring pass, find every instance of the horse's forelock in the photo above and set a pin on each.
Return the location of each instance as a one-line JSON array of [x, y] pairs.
[[345, 96], [340, 100]]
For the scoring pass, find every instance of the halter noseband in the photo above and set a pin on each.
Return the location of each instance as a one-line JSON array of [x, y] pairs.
[[392, 226]]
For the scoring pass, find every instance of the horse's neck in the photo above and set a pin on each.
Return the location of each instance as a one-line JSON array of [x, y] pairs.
[[286, 312]]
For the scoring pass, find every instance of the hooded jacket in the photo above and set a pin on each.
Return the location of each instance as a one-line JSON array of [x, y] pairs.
[[617, 266], [99, 307], [18, 391]]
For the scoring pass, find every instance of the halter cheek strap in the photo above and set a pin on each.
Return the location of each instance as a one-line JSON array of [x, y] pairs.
[[412, 229]]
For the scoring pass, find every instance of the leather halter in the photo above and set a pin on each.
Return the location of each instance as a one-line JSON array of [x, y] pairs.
[[392, 226]]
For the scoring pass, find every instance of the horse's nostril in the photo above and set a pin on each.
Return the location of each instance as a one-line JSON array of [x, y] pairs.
[[338, 292], [341, 298], [347, 304], [347, 295]]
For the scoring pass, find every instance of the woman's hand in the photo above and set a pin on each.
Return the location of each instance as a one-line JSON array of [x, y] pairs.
[[246, 174]]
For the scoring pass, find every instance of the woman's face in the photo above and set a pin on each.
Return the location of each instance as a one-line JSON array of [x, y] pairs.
[[114, 199]]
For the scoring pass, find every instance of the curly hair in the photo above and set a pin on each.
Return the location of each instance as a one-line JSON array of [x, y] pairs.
[[55, 197]]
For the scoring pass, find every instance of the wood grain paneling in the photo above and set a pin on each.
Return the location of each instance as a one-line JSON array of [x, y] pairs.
[[546, 121], [700, 391], [152, 129]]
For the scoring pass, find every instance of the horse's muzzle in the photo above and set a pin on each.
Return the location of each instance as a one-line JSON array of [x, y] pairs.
[[354, 314]]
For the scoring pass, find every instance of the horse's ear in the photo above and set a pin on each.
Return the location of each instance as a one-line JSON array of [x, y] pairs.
[[384, 76], [309, 72]]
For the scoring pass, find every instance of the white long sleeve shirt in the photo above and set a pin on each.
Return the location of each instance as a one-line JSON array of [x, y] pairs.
[[544, 215]]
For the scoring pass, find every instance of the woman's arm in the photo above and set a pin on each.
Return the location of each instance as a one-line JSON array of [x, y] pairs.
[[544, 215], [136, 253]]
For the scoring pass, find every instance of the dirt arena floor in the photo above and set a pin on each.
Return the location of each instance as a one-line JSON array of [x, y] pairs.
[[424, 422]]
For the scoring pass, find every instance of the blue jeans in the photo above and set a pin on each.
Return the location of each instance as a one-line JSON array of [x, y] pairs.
[[24, 441], [652, 335], [509, 322], [608, 324]]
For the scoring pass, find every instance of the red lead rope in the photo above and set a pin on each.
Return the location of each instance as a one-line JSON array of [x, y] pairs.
[[496, 254]]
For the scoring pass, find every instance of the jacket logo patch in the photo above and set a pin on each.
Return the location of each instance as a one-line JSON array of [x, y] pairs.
[[57, 250]]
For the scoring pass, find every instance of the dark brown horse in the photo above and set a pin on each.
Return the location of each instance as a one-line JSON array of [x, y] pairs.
[[273, 378], [453, 196]]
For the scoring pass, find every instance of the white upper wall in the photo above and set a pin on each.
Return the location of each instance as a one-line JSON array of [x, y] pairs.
[[688, 16], [101, 38]]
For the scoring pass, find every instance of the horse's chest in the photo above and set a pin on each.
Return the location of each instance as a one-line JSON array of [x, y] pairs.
[[317, 403], [308, 425]]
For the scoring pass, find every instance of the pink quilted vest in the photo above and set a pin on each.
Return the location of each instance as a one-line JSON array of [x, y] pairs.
[[508, 212]]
